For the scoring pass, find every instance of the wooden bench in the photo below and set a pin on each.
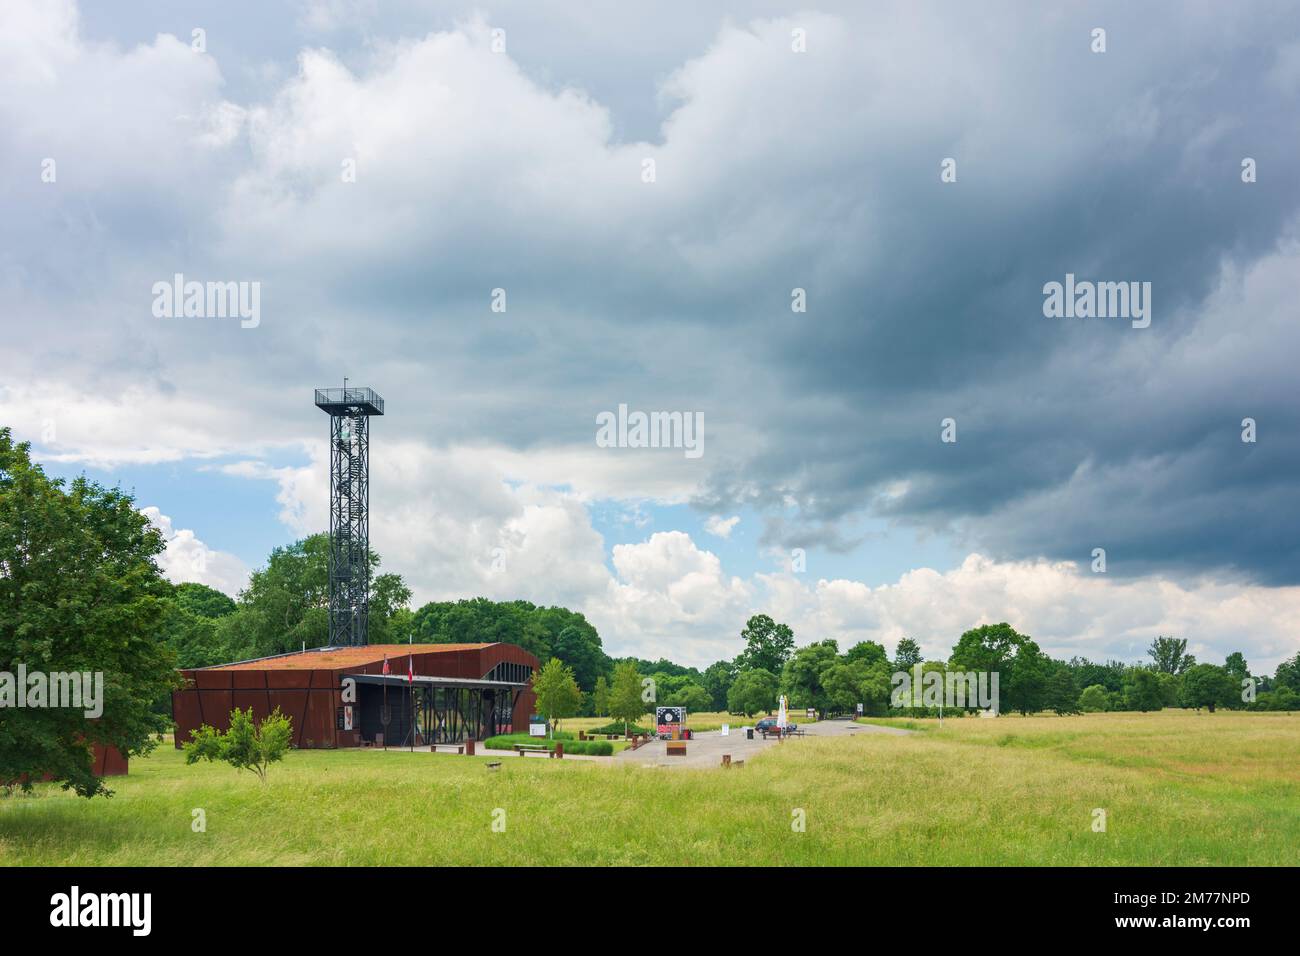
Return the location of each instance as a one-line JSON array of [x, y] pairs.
[[460, 748], [523, 749], [676, 748]]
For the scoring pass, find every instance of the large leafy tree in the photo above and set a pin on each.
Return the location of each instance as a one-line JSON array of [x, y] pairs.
[[717, 680], [1142, 690], [1205, 685], [907, 654], [869, 653], [1060, 694], [1236, 666], [1094, 699], [801, 678], [855, 681], [579, 648], [754, 690], [191, 628], [79, 591], [1022, 668], [768, 645], [286, 604], [1170, 655], [691, 696], [1288, 675], [544, 631], [1109, 675]]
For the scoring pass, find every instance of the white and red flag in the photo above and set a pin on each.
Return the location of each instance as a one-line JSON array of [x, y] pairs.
[[385, 665]]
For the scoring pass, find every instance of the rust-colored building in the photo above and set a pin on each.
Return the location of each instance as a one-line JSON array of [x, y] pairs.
[[459, 692], [109, 761]]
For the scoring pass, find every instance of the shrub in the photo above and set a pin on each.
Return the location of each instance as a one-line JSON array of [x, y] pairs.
[[247, 745], [617, 728], [591, 748], [1093, 699]]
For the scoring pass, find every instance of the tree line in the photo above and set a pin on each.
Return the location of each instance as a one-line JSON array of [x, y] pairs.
[[81, 590]]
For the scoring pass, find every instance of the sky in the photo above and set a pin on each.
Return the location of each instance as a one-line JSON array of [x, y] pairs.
[[825, 232]]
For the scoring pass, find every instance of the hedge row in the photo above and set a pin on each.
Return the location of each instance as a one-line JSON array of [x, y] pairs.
[[593, 748], [616, 727]]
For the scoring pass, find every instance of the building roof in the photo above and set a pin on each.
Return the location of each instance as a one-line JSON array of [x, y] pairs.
[[400, 680], [333, 658]]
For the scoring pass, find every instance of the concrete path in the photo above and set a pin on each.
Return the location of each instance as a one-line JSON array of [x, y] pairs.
[[706, 749]]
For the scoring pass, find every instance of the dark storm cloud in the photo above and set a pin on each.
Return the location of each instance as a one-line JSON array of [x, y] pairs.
[[945, 319], [775, 170]]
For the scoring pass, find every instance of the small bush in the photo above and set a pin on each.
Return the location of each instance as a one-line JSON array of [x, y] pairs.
[[247, 745]]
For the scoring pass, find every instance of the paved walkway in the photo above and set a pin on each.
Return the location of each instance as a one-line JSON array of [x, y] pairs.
[[706, 749]]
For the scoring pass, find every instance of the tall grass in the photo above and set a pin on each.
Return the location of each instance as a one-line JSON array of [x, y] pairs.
[[1177, 788]]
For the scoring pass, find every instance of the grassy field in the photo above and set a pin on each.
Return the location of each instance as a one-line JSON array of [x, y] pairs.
[[1177, 788]]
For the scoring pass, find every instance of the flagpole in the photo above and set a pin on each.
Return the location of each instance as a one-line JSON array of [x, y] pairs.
[[410, 679]]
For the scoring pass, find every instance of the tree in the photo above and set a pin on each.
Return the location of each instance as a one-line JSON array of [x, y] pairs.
[[867, 652], [286, 604], [907, 654], [544, 631], [1236, 666], [692, 696], [1288, 675], [801, 678], [1171, 689], [754, 690], [1170, 655], [558, 694], [576, 647], [600, 697], [79, 592], [191, 627], [767, 645], [203, 601], [1142, 689], [625, 702], [1283, 698], [717, 679], [1021, 666], [1205, 685], [1109, 675], [246, 745], [1061, 695], [390, 620], [1094, 699]]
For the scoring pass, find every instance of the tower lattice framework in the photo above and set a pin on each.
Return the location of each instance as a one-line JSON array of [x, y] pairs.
[[350, 410]]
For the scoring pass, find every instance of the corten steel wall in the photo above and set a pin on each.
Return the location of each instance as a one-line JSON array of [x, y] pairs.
[[311, 698], [105, 759], [109, 761]]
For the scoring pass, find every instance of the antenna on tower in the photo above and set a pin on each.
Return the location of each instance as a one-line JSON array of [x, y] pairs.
[[349, 410]]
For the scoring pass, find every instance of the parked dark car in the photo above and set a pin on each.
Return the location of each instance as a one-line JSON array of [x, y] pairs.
[[768, 725]]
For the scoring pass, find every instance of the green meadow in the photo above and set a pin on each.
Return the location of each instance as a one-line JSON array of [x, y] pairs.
[[1177, 788]]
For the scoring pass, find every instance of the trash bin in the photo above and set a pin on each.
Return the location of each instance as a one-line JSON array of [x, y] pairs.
[[749, 733]]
